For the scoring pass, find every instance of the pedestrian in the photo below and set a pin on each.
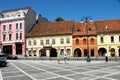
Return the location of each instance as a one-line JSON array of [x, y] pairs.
[[65, 58], [58, 58], [106, 57]]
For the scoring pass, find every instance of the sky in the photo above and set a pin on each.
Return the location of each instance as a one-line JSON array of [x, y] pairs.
[[68, 9]]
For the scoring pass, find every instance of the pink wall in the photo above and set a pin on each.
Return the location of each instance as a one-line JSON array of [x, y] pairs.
[[13, 32]]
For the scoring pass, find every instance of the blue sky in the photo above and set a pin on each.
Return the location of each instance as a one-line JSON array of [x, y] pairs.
[[68, 9]]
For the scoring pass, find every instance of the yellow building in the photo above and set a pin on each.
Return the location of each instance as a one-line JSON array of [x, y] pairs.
[[48, 39], [108, 37]]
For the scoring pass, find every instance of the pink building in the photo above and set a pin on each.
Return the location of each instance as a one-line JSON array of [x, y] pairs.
[[14, 25]]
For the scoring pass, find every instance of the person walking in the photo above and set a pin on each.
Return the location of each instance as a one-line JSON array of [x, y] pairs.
[[106, 57], [65, 58], [58, 58]]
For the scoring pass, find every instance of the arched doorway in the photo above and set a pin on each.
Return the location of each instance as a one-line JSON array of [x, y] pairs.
[[119, 52], [42, 52], [102, 51], [112, 52], [77, 52], [53, 52]]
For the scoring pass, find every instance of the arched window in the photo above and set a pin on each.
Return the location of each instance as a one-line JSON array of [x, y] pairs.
[[112, 51], [84, 41], [92, 40], [112, 39], [77, 41]]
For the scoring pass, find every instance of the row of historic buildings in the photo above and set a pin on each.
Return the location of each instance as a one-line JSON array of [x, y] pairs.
[[23, 32], [74, 38]]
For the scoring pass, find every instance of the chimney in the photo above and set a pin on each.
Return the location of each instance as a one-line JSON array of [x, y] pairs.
[[81, 21], [91, 19]]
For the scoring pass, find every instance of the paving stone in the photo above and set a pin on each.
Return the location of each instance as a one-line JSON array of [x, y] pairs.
[[53, 69], [18, 78], [80, 77], [97, 73], [59, 78], [102, 79], [80, 70], [34, 71], [115, 76], [43, 76], [63, 73]]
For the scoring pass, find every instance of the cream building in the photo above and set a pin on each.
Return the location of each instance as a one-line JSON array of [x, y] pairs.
[[108, 37], [48, 39]]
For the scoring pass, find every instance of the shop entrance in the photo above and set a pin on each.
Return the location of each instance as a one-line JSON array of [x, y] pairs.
[[19, 49], [7, 49], [53, 52], [77, 52]]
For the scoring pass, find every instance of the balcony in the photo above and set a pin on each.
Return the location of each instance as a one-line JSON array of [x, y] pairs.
[[18, 41]]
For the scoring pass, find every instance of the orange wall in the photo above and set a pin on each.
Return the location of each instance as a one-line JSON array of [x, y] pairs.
[[82, 46]]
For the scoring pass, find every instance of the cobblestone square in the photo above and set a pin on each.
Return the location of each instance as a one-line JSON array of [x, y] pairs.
[[51, 70]]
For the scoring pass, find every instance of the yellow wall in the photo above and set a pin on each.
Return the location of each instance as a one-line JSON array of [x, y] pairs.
[[57, 46], [108, 44]]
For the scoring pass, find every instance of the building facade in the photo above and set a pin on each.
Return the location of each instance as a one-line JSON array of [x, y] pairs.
[[48, 39], [85, 39], [108, 37], [14, 24], [77, 39]]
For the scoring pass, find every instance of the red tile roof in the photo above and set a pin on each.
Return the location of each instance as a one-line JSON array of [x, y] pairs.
[[52, 28], [81, 29], [108, 26], [75, 28]]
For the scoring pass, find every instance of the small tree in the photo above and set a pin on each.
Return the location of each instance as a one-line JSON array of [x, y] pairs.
[[59, 19]]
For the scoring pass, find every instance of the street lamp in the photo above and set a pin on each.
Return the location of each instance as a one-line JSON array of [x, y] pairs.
[[86, 24]]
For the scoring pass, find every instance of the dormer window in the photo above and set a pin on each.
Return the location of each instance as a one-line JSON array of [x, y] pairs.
[[78, 30], [106, 27], [89, 29], [19, 15]]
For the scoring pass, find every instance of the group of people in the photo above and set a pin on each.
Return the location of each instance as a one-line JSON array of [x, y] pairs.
[[59, 58], [65, 58]]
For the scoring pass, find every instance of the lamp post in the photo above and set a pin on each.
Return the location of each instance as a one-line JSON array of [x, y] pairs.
[[86, 24]]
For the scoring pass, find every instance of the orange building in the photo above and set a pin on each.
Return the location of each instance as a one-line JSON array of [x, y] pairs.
[[85, 39]]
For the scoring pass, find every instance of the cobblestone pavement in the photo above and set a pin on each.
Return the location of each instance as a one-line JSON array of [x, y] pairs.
[[50, 70]]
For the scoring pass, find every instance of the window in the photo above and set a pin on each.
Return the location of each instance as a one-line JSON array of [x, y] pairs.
[[62, 52], [85, 52], [16, 25], [47, 41], [84, 41], [119, 38], [34, 52], [92, 41], [53, 41], [77, 41], [20, 25], [30, 53], [4, 27], [29, 43], [62, 41], [68, 51], [4, 37], [92, 52], [41, 42], [20, 36], [34, 42], [10, 26], [16, 36], [68, 40], [112, 39], [10, 37], [101, 39]]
